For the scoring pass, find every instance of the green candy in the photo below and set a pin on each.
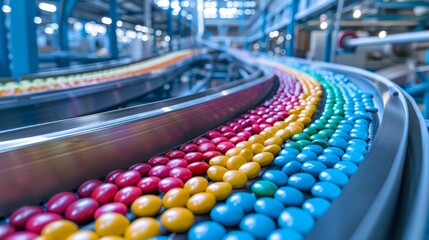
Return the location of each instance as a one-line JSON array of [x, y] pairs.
[[327, 132], [320, 142], [319, 136], [264, 188], [310, 131], [303, 142], [295, 145], [300, 136]]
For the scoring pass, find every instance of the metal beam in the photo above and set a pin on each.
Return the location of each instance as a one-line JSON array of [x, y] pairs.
[[113, 39], [4, 51], [290, 29], [23, 38], [170, 26], [66, 10], [337, 25], [420, 36], [148, 24]]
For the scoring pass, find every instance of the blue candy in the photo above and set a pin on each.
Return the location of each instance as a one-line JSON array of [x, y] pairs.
[[238, 235], [357, 142], [206, 231], [227, 214], [326, 190], [334, 150], [313, 148], [283, 233], [338, 142], [242, 199], [269, 206], [289, 196], [334, 176], [347, 167], [276, 176], [357, 148], [329, 159], [291, 167], [296, 219], [292, 151], [306, 156], [159, 238], [301, 181], [259, 225], [281, 160], [341, 135], [354, 157], [317, 207], [359, 135]]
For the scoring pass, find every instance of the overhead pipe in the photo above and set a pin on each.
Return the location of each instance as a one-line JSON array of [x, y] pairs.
[[420, 36]]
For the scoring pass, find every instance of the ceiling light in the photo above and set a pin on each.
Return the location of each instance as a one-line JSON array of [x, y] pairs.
[[323, 25], [47, 7], [106, 20], [382, 34], [357, 13]]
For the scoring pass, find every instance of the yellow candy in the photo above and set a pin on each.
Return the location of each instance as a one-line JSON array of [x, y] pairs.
[[251, 169], [284, 134], [176, 197], [83, 235], [294, 129], [146, 206], [306, 120], [233, 152], [111, 224], [296, 123], [59, 230], [266, 134], [177, 219], [43, 238], [246, 154], [257, 148], [257, 139], [221, 190], [111, 238], [196, 185], [244, 145], [273, 140], [235, 162], [218, 161], [274, 149], [280, 124], [201, 203], [216, 173], [142, 228], [263, 158], [236, 178]]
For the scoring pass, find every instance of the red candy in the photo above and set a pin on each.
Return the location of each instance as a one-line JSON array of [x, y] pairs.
[[111, 177], [193, 157], [116, 207], [38, 221], [218, 140], [158, 160], [142, 168], [237, 129], [82, 210], [224, 129], [20, 217], [127, 195], [198, 168], [169, 183], [223, 147], [177, 163], [244, 134], [159, 171], [85, 190], [104, 193], [210, 154], [256, 128], [183, 173], [129, 178], [6, 230], [200, 140], [175, 154], [205, 147], [22, 236], [189, 147], [59, 202], [229, 134], [148, 184], [213, 134]]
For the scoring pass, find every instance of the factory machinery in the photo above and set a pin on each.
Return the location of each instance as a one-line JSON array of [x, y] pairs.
[[294, 149]]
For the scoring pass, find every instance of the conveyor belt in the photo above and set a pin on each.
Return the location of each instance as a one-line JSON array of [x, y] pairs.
[[90, 146]]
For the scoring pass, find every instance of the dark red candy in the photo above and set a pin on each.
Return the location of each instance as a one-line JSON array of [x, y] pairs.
[[177, 163], [183, 173], [129, 178], [245, 134], [116, 207], [20, 217], [224, 129], [218, 140], [205, 147], [265, 125], [6, 230], [237, 129], [142, 168], [22, 236], [256, 128], [198, 168], [159, 171], [213, 134], [193, 157], [175, 154], [237, 139], [82, 210], [111, 177], [158, 160], [127, 195], [210, 154], [200, 140], [148, 184], [40, 220], [104, 193], [60, 201], [229, 134], [223, 147], [85, 190], [169, 183], [189, 147]]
